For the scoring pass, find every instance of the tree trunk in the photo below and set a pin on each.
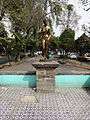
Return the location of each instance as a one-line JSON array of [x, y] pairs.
[[9, 59], [17, 59]]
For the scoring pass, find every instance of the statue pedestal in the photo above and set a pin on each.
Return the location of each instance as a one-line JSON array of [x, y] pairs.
[[45, 72]]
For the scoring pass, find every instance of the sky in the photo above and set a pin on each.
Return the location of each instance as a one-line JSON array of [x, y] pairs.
[[84, 17]]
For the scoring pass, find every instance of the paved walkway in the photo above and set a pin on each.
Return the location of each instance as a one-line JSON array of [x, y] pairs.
[[26, 67], [25, 104]]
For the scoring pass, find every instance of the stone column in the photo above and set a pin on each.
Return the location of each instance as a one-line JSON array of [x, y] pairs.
[[45, 72]]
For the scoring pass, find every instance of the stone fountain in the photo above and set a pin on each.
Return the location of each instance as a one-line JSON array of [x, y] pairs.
[[45, 69]]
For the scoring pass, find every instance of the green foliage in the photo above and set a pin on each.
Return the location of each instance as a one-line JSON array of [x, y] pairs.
[[54, 43], [70, 7], [18, 43], [7, 44], [3, 33], [83, 44], [3, 36], [67, 39]]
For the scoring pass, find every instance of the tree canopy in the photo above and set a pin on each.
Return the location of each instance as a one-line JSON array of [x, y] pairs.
[[67, 39], [26, 17]]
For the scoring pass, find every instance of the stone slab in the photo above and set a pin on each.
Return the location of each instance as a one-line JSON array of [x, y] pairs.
[[30, 99], [46, 65]]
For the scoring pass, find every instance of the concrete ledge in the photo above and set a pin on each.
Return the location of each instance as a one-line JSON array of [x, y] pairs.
[[88, 73], [18, 73], [34, 73]]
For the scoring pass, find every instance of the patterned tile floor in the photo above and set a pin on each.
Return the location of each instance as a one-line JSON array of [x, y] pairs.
[[25, 104]]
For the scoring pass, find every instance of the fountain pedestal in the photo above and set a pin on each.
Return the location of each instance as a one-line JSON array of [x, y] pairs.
[[45, 72]]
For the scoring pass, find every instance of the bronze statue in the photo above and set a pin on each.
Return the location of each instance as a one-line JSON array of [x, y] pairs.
[[45, 38]]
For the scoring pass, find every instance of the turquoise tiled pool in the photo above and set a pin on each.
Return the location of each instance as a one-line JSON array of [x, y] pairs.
[[60, 80], [72, 80], [18, 80]]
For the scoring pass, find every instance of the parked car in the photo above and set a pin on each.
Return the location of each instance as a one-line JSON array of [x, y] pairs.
[[58, 53], [38, 53], [87, 56], [73, 55]]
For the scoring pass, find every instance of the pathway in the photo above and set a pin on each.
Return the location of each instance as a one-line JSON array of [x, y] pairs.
[[25, 104], [26, 67]]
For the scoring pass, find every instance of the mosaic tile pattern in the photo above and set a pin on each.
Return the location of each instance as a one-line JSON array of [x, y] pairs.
[[64, 104]]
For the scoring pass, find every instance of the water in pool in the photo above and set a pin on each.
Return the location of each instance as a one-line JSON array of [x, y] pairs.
[[18, 80], [72, 80], [60, 80]]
